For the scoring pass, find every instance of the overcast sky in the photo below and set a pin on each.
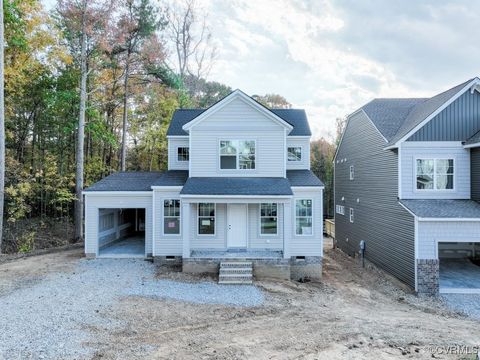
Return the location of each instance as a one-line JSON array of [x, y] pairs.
[[330, 57]]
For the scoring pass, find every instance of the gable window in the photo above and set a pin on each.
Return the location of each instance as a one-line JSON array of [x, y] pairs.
[[183, 153], [352, 172], [351, 215], [303, 217], [268, 219], [171, 217], [294, 153], [206, 219], [237, 154], [434, 174]]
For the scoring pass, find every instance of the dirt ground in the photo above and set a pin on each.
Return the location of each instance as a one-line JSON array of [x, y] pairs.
[[352, 314]]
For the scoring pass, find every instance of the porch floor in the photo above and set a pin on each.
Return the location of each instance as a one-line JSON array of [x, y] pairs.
[[129, 247], [459, 276], [237, 254]]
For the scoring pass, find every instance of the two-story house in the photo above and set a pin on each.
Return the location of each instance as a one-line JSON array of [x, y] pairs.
[[238, 186], [407, 183]]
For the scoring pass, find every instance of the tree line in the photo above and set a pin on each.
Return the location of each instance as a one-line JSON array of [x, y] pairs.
[[90, 88]]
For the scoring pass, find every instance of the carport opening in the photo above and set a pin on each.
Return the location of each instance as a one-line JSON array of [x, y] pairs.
[[459, 267], [121, 232]]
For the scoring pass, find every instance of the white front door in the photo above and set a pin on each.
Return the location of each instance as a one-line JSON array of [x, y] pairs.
[[237, 226]]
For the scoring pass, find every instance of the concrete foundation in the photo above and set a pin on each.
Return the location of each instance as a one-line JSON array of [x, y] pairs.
[[309, 267], [428, 277]]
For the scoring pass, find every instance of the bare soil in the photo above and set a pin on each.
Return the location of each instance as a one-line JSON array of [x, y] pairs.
[[353, 313]]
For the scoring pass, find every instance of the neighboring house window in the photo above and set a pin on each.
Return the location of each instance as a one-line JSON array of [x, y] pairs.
[[294, 153], [340, 209], [268, 219], [237, 154], [352, 172], [351, 215], [171, 217], [206, 219], [303, 217], [182, 153], [435, 174]]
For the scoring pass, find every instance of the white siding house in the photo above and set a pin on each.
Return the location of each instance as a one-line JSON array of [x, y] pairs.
[[229, 192]]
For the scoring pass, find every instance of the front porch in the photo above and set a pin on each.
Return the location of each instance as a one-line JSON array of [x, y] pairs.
[[237, 254]]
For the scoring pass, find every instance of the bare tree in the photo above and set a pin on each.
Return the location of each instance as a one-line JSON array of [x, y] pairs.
[[192, 41], [2, 126]]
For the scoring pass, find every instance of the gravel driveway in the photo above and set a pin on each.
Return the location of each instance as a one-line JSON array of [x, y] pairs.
[[50, 318]]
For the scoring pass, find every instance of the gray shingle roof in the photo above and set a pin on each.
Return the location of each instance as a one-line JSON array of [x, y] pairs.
[[295, 117], [126, 181], [303, 178], [475, 139], [172, 178], [394, 118], [443, 208], [236, 186]]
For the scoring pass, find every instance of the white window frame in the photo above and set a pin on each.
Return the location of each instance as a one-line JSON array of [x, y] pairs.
[[301, 154], [260, 219], [182, 161], [295, 217], [237, 156], [434, 174], [352, 215], [340, 209], [352, 172], [214, 216], [179, 217]]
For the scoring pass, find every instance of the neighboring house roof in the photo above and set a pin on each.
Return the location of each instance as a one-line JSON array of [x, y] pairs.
[[126, 181], [443, 208], [395, 118], [236, 186], [303, 178], [172, 178], [295, 117], [475, 139]]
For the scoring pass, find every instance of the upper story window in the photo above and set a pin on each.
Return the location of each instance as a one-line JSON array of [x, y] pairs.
[[237, 154], [294, 153], [352, 172], [182, 153], [434, 174]]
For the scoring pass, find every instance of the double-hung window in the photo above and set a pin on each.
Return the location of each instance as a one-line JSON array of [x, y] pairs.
[[304, 217], [340, 209], [268, 219], [171, 217], [237, 154], [183, 153], [206, 219], [294, 153], [435, 174]]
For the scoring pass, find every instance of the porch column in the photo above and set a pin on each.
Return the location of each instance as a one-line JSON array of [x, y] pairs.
[[185, 220], [287, 228]]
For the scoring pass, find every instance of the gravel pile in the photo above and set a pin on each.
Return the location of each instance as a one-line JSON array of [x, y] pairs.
[[468, 304], [49, 319]]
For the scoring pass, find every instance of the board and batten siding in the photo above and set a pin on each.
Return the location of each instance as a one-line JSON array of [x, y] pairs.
[[237, 121], [457, 122], [173, 144], [475, 173], [94, 202], [410, 151], [432, 232], [386, 227], [304, 143], [307, 245], [166, 245]]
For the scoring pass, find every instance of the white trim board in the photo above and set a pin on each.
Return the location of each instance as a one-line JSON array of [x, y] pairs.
[[119, 193]]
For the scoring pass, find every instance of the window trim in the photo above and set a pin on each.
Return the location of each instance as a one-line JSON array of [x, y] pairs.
[[179, 217], [182, 161], [219, 160], [351, 215], [312, 216], [301, 154], [214, 216], [352, 172], [434, 158], [260, 220], [340, 209]]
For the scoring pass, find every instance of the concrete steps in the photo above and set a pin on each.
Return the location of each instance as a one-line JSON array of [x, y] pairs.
[[235, 272]]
